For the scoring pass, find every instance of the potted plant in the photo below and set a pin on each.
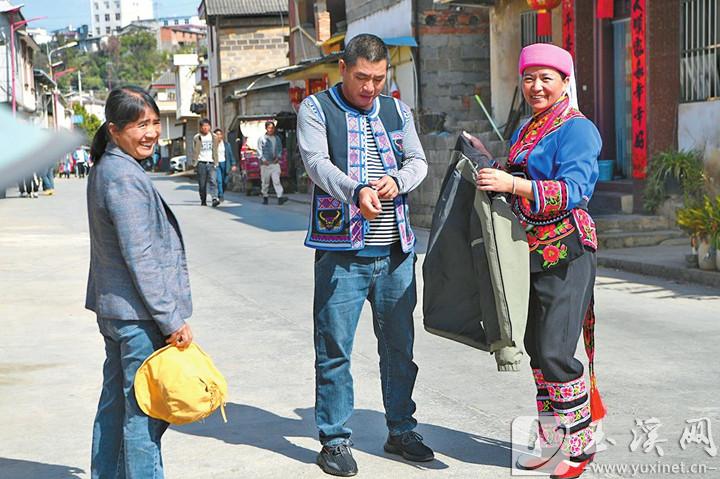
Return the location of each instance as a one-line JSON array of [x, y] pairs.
[[674, 172], [714, 216], [702, 222]]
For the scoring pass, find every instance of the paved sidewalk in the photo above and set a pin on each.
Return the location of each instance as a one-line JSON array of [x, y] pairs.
[[661, 261]]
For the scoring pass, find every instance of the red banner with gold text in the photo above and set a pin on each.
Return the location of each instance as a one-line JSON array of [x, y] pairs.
[[568, 26], [638, 17]]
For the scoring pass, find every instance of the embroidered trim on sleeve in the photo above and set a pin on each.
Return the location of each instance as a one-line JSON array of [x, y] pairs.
[[550, 196]]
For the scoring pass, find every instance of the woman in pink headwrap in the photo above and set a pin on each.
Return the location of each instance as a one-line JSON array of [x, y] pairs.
[[550, 175]]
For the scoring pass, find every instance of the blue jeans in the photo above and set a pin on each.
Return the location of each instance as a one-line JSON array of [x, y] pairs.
[[207, 177], [221, 179], [126, 442], [48, 179], [342, 284]]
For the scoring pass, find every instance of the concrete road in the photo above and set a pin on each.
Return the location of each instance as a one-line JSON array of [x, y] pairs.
[[251, 277]]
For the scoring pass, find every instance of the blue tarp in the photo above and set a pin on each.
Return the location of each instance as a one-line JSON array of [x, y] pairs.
[[400, 42]]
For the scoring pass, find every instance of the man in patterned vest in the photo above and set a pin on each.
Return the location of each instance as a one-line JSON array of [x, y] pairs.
[[363, 153]]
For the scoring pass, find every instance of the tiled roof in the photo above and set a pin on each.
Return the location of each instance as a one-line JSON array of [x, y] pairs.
[[167, 78], [245, 7]]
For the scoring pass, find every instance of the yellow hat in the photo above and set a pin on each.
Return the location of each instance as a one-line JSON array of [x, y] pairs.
[[180, 386]]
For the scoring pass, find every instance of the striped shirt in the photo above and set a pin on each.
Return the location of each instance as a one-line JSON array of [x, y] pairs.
[[383, 229]]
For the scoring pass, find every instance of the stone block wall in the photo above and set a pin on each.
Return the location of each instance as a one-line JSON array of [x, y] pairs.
[[422, 200], [246, 50], [437, 147], [268, 101], [454, 61]]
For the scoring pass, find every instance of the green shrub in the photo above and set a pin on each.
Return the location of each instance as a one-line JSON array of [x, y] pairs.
[[686, 167]]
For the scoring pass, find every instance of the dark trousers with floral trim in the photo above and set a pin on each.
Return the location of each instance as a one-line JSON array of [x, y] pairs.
[[559, 299]]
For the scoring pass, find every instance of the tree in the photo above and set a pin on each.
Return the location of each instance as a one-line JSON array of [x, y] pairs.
[[90, 123], [139, 58], [130, 58]]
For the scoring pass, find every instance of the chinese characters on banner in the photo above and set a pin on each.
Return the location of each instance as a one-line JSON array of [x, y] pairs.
[[639, 90], [568, 26]]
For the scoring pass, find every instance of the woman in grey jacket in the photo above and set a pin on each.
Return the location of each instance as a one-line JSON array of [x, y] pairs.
[[138, 282]]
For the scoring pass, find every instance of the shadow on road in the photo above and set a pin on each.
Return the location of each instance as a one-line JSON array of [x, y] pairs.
[[252, 426], [660, 288], [37, 470], [252, 213]]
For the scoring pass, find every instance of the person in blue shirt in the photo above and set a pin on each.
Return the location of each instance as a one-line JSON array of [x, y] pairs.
[[550, 176], [226, 163]]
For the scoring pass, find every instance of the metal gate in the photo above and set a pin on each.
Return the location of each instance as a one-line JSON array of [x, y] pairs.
[[699, 67]]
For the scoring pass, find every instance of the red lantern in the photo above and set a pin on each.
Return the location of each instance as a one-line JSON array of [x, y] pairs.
[[605, 9], [544, 17]]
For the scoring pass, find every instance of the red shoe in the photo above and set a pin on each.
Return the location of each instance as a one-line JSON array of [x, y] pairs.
[[567, 469]]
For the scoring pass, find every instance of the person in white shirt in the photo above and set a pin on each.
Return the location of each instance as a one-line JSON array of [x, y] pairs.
[[205, 160]]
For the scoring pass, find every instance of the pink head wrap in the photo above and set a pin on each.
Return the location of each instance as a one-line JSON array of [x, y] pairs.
[[545, 55], [548, 55]]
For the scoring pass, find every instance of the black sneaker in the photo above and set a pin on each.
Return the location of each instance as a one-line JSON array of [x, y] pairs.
[[337, 460], [265, 200], [203, 203], [282, 200], [215, 203], [410, 446]]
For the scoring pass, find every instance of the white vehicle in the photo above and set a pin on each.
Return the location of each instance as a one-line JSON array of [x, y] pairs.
[[178, 163]]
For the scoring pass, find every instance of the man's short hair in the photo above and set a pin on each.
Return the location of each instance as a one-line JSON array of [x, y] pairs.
[[217, 130], [367, 46], [204, 121], [268, 123]]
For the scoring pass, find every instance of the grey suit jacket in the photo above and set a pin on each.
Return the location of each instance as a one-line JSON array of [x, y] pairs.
[[138, 269]]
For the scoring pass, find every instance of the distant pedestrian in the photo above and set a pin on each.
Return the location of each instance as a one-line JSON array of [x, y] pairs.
[[29, 186], [226, 161], [48, 181], [80, 157], [66, 166], [156, 159], [138, 283], [270, 150], [205, 159]]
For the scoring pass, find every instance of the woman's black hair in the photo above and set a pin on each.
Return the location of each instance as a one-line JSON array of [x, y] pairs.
[[124, 105]]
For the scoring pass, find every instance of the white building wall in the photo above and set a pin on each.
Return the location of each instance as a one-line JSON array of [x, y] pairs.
[[108, 16], [4, 73], [40, 35], [395, 21], [699, 128], [24, 79], [171, 127], [136, 10], [185, 66]]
